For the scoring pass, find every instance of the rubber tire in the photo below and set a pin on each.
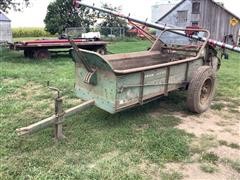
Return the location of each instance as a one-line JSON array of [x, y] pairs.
[[42, 54], [101, 51], [202, 74], [28, 53]]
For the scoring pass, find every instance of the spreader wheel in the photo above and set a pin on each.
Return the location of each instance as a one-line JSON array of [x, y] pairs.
[[201, 89], [41, 54]]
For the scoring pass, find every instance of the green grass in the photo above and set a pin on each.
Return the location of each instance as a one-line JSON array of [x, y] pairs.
[[203, 143], [98, 145], [18, 39], [171, 176], [228, 77], [217, 106], [208, 162], [231, 145], [210, 158], [29, 32], [208, 168], [235, 164], [129, 46]]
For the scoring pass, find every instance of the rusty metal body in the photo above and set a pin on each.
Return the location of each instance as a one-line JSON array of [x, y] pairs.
[[120, 81], [125, 80]]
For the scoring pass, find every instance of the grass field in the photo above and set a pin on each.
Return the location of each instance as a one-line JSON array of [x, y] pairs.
[[98, 145]]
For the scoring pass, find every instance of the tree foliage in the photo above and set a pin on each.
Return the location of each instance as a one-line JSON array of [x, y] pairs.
[[17, 5], [111, 21], [61, 14]]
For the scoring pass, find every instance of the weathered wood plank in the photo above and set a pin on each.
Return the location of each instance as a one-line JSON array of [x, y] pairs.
[[50, 120]]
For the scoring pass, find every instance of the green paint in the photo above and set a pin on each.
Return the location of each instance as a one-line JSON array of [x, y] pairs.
[[114, 93]]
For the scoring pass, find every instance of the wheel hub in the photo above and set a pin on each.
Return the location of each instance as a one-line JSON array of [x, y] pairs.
[[205, 91]]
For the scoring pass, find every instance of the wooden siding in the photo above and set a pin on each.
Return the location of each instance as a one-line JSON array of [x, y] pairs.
[[212, 17], [216, 20]]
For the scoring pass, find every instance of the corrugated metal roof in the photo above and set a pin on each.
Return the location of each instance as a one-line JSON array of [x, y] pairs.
[[3, 17]]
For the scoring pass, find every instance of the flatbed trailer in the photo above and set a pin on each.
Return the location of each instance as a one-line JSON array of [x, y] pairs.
[[40, 49]]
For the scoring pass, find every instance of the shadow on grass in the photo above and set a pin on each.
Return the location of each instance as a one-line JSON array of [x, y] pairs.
[[12, 56]]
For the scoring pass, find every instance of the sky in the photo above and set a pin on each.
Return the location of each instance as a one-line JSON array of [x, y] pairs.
[[34, 15]]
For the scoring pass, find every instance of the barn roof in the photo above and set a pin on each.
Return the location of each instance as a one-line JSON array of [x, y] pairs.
[[171, 10], [229, 12], [3, 17]]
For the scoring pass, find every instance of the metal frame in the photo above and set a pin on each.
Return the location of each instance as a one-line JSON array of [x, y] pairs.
[[127, 71], [57, 119], [159, 26]]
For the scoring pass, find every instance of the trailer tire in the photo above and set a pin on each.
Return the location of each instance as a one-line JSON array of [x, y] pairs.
[[101, 50], [28, 53], [201, 89], [41, 54]]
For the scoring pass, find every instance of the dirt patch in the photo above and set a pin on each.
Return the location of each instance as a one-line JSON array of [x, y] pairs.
[[188, 171], [8, 81], [209, 129], [193, 171], [150, 170], [226, 152], [223, 125]]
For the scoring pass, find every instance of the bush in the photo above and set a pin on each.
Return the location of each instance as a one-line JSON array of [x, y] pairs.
[[153, 31], [30, 32]]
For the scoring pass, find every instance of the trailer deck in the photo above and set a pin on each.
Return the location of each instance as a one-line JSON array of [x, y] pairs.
[[39, 49]]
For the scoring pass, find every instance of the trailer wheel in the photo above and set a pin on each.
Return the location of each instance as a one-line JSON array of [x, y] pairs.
[[101, 50], [28, 53], [201, 89], [41, 54]]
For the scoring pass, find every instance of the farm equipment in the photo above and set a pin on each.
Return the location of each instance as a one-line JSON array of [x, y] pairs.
[[118, 82], [141, 31], [40, 49], [161, 27]]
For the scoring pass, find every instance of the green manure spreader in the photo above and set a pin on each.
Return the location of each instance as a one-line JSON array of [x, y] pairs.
[[121, 81]]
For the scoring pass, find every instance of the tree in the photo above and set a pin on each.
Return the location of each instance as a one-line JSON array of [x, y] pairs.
[[111, 21], [61, 14], [6, 5]]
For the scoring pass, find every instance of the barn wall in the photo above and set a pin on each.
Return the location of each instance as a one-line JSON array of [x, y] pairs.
[[217, 20], [5, 31], [211, 17], [239, 38], [172, 21], [172, 17]]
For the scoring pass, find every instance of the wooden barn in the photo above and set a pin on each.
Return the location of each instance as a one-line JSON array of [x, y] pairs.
[[5, 29], [206, 14]]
